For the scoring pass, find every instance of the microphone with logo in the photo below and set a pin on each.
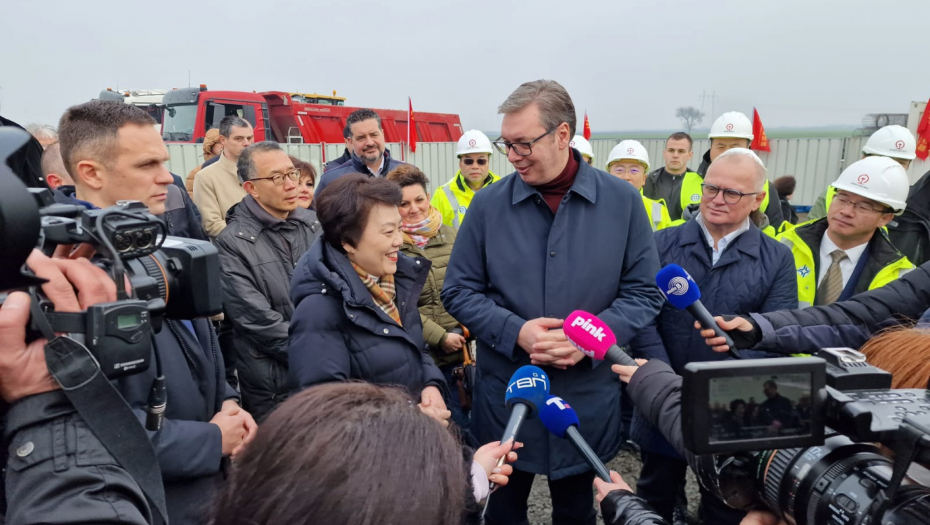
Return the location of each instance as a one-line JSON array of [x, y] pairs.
[[681, 290], [526, 392], [560, 419], [594, 338]]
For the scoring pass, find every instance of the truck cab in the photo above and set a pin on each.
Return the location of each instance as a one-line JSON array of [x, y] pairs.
[[191, 112]]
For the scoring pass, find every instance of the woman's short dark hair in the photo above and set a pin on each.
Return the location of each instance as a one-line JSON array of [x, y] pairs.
[[344, 205], [306, 169], [344, 454], [408, 175], [785, 185]]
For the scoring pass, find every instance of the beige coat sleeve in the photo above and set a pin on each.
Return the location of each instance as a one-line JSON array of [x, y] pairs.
[[205, 199]]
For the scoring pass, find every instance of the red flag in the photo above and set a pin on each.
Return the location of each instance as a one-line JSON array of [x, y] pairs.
[[923, 134], [587, 127], [760, 142], [411, 128]]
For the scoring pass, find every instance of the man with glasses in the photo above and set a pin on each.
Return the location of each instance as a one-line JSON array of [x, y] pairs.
[[738, 270], [453, 198], [847, 252], [266, 235], [555, 236], [629, 160]]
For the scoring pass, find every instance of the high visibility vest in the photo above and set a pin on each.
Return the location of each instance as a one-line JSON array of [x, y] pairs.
[[453, 198], [831, 191], [657, 212], [691, 191], [804, 266]]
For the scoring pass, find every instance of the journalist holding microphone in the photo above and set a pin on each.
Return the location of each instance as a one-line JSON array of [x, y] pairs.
[[555, 236]]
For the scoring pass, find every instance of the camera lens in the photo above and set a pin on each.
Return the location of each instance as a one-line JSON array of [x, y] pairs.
[[122, 242]]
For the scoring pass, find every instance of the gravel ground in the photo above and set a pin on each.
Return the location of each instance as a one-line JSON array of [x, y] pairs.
[[628, 465]]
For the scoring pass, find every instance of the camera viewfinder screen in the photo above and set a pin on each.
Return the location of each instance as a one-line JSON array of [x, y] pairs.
[[759, 407]]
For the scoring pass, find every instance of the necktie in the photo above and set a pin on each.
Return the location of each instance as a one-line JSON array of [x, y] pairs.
[[832, 285]]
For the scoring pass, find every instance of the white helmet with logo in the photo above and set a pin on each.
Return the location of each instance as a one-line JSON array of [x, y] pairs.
[[582, 145], [473, 141], [878, 178], [629, 150], [892, 141], [731, 124]]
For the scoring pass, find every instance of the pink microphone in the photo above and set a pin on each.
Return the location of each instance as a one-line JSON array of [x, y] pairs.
[[595, 340]]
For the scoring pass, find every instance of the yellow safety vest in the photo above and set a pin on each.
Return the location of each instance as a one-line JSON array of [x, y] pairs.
[[453, 198], [804, 264], [657, 212], [691, 191]]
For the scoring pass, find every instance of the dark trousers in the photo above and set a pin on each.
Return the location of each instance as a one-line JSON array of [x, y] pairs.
[[572, 500], [660, 481], [626, 413]]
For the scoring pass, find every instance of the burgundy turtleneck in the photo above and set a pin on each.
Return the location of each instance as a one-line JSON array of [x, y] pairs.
[[553, 191]]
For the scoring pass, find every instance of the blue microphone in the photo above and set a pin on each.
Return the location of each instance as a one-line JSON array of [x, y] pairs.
[[683, 293], [560, 419]]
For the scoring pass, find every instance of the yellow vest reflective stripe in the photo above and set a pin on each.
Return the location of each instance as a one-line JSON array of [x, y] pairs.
[[657, 212], [805, 268], [456, 216], [452, 202]]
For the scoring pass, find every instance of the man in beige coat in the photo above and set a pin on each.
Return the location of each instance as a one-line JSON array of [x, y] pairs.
[[217, 187]]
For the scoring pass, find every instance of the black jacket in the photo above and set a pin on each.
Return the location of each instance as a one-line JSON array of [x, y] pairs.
[[355, 165], [622, 507], [338, 161], [772, 211], [847, 323], [58, 472], [338, 333], [258, 253], [910, 232]]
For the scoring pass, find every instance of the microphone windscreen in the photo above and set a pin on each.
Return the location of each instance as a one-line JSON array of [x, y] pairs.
[[679, 288], [529, 385], [556, 415], [588, 334]]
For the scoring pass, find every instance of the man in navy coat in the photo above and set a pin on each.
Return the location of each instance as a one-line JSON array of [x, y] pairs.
[[556, 236]]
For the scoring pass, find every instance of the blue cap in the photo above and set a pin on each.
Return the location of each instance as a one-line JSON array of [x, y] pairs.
[[679, 288], [529, 385], [557, 416]]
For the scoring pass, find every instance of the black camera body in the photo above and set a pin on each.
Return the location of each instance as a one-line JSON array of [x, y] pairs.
[[807, 451]]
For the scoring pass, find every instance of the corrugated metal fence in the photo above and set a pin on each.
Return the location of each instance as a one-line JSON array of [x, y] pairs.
[[814, 162]]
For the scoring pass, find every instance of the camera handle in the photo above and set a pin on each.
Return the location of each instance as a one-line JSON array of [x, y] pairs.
[[99, 404]]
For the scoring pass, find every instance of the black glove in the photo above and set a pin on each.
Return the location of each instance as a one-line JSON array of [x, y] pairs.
[[622, 507], [744, 340]]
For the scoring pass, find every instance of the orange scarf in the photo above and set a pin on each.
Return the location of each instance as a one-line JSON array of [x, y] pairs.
[[382, 291], [420, 233]]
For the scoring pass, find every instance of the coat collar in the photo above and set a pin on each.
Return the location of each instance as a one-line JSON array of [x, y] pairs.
[[749, 243], [250, 226], [585, 184]]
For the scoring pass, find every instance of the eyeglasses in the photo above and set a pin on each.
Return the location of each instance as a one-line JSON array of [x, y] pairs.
[[621, 170], [730, 196], [524, 149], [278, 178], [469, 162], [858, 207]]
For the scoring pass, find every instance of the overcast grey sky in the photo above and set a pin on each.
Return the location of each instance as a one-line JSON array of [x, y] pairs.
[[630, 64]]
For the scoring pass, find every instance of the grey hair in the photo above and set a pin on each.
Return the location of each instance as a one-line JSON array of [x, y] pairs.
[[737, 153], [245, 167], [42, 131], [555, 106], [228, 122], [357, 116]]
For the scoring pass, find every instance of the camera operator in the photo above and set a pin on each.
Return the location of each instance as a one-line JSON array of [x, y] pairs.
[[114, 153], [848, 323], [50, 479]]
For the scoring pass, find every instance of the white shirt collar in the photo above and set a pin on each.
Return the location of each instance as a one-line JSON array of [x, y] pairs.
[[725, 241], [380, 167]]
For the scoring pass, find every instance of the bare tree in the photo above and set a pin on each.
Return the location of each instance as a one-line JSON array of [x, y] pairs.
[[689, 116]]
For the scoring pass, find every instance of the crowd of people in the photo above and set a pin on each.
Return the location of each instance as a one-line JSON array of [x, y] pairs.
[[371, 324]]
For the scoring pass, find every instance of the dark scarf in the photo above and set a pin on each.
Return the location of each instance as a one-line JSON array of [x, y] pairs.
[[553, 191]]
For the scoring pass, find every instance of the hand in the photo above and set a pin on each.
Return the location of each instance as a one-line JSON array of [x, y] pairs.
[[433, 405], [232, 427], [718, 343], [453, 343], [572, 358], [23, 371], [251, 430], [604, 488], [488, 455], [626, 372], [537, 330], [761, 517]]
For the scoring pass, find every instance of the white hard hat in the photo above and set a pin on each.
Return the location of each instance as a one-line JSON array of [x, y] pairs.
[[731, 124], [473, 141], [629, 150], [892, 141], [582, 145], [878, 178]]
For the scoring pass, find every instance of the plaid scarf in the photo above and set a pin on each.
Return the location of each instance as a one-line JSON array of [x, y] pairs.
[[382, 291], [421, 232]]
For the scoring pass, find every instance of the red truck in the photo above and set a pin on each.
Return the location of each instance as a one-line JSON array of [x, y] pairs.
[[294, 118]]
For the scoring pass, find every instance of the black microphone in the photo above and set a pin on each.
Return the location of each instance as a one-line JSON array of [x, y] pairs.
[[683, 293], [562, 421]]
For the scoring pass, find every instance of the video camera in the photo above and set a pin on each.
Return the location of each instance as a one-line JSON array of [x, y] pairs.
[[799, 434], [169, 277]]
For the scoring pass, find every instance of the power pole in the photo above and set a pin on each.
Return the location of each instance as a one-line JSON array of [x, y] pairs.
[[713, 103]]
